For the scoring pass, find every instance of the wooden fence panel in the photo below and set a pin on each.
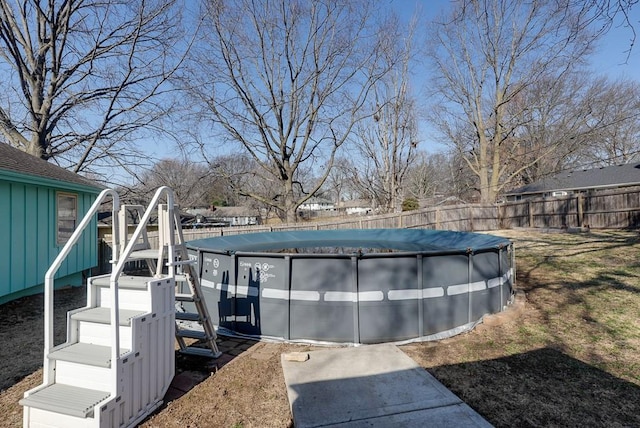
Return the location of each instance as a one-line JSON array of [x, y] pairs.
[[604, 209]]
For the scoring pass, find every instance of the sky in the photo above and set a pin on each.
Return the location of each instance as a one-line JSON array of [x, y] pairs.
[[612, 58], [615, 56]]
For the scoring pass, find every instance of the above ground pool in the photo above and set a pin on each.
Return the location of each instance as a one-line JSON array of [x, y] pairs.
[[354, 286]]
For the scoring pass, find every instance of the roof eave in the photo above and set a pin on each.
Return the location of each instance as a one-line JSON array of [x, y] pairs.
[[573, 189], [43, 181]]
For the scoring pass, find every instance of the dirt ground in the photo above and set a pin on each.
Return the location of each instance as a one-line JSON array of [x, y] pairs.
[[555, 360]]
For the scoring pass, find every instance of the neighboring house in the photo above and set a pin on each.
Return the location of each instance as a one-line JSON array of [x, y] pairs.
[[236, 216], [201, 217], [317, 204], [580, 181], [40, 206], [355, 207]]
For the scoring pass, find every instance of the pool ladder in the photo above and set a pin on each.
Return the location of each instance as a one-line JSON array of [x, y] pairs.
[[188, 287], [190, 278]]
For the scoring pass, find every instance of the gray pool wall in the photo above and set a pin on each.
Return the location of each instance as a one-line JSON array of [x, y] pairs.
[[354, 298]]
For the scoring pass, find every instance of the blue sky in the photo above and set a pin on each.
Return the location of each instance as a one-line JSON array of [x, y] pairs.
[[614, 56], [611, 58]]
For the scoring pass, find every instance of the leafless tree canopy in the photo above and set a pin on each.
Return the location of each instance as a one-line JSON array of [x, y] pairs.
[[82, 78], [488, 55], [387, 141], [286, 82]]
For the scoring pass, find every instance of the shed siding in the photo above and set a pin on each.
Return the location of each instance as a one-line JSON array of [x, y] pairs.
[[5, 233], [28, 241], [17, 237]]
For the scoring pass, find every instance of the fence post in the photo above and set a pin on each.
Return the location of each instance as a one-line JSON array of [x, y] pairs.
[[580, 203], [529, 207]]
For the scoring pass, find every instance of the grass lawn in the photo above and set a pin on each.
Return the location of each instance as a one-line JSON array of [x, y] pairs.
[[573, 357]]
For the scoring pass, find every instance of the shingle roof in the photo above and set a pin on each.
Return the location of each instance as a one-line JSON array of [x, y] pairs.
[[12, 159], [605, 177], [222, 212]]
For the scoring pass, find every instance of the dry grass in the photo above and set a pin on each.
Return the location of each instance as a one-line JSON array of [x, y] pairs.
[[571, 359]]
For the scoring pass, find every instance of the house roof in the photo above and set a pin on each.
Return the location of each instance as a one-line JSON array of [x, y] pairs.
[[17, 161], [596, 178], [221, 212]]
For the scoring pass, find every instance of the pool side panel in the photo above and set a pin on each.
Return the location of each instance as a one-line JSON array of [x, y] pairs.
[[368, 298], [321, 299], [388, 299], [445, 298]]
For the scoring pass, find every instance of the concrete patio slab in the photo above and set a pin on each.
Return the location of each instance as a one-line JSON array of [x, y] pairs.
[[370, 386]]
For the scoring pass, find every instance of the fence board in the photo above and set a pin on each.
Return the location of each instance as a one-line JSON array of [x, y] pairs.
[[599, 210]]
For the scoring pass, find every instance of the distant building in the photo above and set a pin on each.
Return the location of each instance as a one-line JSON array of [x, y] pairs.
[[236, 216], [317, 204], [579, 181], [355, 207], [40, 206]]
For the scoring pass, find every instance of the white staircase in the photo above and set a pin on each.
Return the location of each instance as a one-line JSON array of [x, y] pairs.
[[118, 360]]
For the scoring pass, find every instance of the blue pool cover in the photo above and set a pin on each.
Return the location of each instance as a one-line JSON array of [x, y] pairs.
[[418, 240]]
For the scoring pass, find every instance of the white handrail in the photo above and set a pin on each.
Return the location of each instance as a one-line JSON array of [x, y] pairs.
[[119, 267], [53, 269]]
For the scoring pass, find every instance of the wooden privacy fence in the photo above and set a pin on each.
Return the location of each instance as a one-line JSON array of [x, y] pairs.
[[465, 217], [599, 210]]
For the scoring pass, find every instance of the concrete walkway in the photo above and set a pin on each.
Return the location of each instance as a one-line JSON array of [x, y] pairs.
[[370, 386]]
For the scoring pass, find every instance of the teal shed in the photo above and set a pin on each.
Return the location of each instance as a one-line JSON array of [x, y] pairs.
[[40, 205]]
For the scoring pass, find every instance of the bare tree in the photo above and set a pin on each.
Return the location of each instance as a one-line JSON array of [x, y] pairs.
[[84, 77], [586, 121], [192, 183], [286, 81], [614, 122], [554, 115], [340, 184], [427, 176], [388, 140], [486, 54]]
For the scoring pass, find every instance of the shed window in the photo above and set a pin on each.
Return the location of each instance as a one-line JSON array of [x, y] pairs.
[[67, 216]]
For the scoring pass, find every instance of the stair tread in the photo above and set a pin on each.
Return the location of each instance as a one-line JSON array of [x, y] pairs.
[[125, 281], [151, 253], [67, 399], [187, 316], [85, 353], [185, 297], [102, 315], [192, 334], [202, 352]]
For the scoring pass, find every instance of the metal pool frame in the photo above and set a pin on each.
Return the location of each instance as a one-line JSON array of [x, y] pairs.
[[432, 284]]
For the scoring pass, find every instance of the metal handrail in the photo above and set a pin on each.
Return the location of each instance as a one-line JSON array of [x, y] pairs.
[[53, 269], [119, 267]]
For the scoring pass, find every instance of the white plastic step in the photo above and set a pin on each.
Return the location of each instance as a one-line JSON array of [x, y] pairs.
[[144, 254], [102, 315], [85, 353], [125, 281], [69, 400]]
